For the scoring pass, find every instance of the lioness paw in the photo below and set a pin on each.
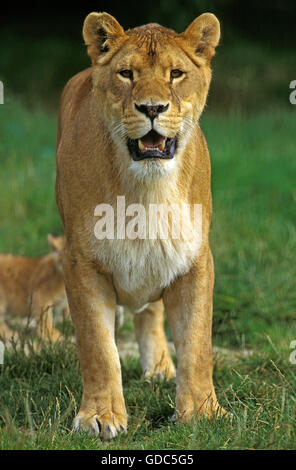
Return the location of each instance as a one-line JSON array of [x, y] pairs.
[[208, 408], [107, 425], [164, 371]]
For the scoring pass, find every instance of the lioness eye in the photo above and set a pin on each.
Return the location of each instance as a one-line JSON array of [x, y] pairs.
[[176, 73], [126, 74]]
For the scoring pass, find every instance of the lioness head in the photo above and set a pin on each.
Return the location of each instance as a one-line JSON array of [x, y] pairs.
[[151, 86]]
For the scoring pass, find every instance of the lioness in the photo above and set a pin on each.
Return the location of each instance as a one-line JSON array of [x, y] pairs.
[[33, 286], [128, 126]]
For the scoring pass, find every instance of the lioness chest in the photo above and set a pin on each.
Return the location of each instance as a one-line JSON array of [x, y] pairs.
[[141, 269]]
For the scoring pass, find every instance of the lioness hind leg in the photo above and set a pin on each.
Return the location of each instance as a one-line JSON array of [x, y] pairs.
[[119, 320], [119, 317], [154, 351]]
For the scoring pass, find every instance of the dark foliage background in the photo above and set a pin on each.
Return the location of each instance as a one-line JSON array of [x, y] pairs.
[[41, 46]]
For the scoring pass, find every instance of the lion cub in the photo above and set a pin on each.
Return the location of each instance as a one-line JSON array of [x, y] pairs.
[[33, 286]]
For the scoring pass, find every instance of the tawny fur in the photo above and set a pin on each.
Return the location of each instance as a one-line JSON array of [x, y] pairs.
[[94, 166], [33, 287]]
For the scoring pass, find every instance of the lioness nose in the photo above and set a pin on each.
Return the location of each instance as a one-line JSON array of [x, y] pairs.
[[152, 111]]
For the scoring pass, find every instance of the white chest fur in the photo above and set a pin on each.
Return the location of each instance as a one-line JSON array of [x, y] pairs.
[[151, 263]]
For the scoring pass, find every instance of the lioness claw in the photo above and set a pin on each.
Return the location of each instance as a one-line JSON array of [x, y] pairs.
[[97, 426]]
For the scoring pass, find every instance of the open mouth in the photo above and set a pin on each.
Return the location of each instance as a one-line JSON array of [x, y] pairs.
[[152, 145]]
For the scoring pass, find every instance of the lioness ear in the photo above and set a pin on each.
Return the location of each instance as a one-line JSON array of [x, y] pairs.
[[203, 35], [101, 33], [56, 244], [52, 241]]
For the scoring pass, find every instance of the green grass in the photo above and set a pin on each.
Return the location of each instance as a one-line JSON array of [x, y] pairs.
[[40, 394], [254, 229], [27, 163], [253, 240]]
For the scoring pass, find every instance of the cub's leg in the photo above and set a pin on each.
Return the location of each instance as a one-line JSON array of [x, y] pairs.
[[6, 333], [92, 305], [43, 313], [188, 304], [154, 352]]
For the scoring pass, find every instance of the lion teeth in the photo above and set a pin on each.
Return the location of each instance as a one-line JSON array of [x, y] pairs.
[[162, 146], [159, 148], [141, 146]]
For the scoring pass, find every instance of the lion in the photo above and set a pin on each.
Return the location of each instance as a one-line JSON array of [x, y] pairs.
[[33, 287], [129, 127]]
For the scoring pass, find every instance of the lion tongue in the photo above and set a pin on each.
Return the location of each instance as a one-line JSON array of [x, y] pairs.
[[152, 140]]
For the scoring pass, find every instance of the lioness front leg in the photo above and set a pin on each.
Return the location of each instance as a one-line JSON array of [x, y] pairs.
[[92, 305], [188, 304]]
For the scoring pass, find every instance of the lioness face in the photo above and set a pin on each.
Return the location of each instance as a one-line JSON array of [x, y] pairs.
[[151, 86]]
